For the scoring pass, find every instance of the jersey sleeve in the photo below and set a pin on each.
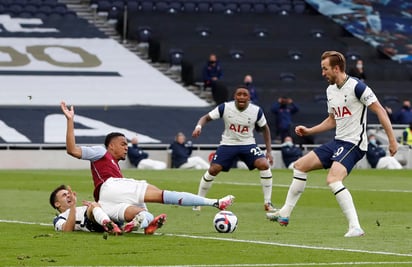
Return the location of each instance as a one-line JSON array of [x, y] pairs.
[[261, 119], [93, 153], [59, 220], [364, 93], [217, 112]]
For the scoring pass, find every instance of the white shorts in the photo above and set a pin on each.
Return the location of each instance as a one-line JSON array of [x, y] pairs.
[[117, 194]]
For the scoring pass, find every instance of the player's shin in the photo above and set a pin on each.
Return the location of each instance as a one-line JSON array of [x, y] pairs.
[[296, 189], [344, 198], [266, 181], [205, 184], [186, 199]]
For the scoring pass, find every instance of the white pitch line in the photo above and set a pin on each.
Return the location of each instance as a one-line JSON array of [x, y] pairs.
[[293, 245], [285, 264], [317, 187], [253, 242]]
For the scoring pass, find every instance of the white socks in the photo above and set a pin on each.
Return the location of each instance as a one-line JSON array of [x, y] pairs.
[[295, 191], [205, 184], [345, 201], [266, 182], [99, 215]]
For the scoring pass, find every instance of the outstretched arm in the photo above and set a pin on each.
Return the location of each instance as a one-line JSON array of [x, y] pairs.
[[327, 124], [383, 117], [71, 147], [202, 121]]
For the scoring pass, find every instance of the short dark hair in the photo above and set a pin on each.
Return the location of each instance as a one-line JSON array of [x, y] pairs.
[[54, 193], [241, 86], [110, 137]]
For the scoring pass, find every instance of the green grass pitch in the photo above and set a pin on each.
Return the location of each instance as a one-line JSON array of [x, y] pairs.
[[314, 236]]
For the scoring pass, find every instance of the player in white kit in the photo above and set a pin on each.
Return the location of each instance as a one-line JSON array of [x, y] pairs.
[[348, 100], [240, 118], [88, 218]]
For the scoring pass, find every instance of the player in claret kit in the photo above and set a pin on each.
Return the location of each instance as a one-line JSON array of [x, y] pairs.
[[348, 100], [240, 118], [115, 193]]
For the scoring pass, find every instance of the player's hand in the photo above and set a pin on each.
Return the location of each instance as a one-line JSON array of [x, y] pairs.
[[270, 159], [301, 130], [72, 196], [196, 132], [393, 148], [86, 203], [68, 112]]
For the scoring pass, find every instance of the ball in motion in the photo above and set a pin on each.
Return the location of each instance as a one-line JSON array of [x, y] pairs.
[[225, 221]]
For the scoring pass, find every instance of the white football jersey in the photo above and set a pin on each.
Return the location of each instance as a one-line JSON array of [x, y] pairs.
[[239, 125], [349, 107], [60, 219]]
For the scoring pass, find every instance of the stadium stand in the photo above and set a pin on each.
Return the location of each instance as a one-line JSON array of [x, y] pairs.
[[279, 41]]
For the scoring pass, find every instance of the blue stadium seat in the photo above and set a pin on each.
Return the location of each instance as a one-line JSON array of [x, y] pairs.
[[203, 31], [236, 54], [245, 7], [31, 9], [189, 7], [295, 54], [231, 8], [161, 6], [146, 6], [144, 33], [175, 56], [218, 7], [260, 32], [203, 7], [317, 33], [14, 10], [132, 6], [36, 2], [352, 55], [103, 6], [114, 13], [50, 2], [299, 7], [175, 7], [59, 9], [287, 77], [20, 2], [259, 7]]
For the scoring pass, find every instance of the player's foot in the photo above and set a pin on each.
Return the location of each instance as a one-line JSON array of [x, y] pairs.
[[224, 202], [155, 224], [270, 207], [111, 227], [275, 217], [196, 208], [355, 232], [134, 224]]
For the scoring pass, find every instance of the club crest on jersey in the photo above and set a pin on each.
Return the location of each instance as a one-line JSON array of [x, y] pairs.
[[239, 128], [341, 112]]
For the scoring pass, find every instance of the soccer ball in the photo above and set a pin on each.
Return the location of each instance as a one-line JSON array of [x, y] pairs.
[[225, 221]]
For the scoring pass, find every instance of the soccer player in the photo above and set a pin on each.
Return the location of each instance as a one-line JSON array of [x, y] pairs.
[[240, 118], [89, 218], [348, 101], [116, 193]]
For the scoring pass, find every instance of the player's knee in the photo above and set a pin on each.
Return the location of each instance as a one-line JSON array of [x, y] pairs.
[[262, 164], [214, 169]]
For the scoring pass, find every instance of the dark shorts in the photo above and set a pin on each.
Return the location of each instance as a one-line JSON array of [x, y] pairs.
[[343, 152], [225, 155]]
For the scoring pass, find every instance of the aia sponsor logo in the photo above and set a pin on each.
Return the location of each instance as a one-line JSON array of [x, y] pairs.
[[341, 112]]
